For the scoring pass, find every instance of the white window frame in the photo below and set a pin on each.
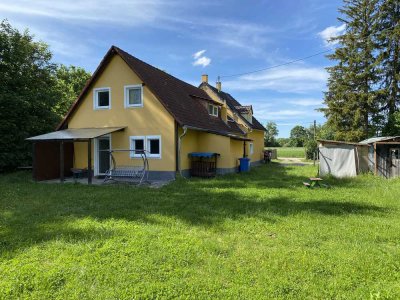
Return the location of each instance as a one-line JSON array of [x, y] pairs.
[[134, 138], [96, 98], [146, 141], [213, 110], [251, 148], [153, 137], [126, 95]]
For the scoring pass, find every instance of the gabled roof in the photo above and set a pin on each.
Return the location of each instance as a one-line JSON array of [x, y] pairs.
[[180, 99], [233, 104]]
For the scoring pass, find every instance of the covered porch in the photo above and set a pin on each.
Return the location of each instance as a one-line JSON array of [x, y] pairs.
[[53, 153]]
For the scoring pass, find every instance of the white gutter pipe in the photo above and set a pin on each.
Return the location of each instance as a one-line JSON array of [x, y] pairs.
[[179, 148]]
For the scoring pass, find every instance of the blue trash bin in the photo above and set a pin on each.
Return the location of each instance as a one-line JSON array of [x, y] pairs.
[[244, 165]]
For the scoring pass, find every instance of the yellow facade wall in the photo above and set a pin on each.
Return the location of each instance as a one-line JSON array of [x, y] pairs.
[[197, 141], [151, 119], [189, 144], [258, 141]]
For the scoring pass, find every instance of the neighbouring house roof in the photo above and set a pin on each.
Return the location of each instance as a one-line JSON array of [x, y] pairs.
[[244, 109], [380, 139], [75, 134], [235, 106], [180, 99]]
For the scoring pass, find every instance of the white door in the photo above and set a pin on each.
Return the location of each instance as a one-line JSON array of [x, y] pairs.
[[102, 155]]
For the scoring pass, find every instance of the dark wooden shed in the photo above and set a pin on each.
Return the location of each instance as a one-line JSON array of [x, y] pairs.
[[384, 156]]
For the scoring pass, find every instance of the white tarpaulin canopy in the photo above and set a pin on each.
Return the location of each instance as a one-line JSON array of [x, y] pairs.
[[75, 134], [338, 160]]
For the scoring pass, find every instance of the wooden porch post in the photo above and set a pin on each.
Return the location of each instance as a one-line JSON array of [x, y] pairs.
[[62, 161], [244, 148], [34, 161], [89, 161]]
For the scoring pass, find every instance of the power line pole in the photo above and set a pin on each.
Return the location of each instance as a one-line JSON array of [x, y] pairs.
[[315, 130]]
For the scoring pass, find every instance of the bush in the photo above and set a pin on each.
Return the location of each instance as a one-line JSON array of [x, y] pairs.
[[311, 148]]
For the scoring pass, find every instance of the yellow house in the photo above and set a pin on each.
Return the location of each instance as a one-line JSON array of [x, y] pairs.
[[133, 106]]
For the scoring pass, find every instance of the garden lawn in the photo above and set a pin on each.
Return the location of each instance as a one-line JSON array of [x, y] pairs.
[[260, 235], [291, 152]]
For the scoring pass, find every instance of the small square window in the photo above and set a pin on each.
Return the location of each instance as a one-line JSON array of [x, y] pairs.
[[213, 110], [102, 98], [133, 96], [137, 144], [154, 146]]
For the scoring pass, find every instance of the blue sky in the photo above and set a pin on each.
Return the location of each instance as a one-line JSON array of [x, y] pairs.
[[190, 38]]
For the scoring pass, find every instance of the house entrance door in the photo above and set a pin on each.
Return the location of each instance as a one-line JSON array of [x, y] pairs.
[[395, 162], [102, 153]]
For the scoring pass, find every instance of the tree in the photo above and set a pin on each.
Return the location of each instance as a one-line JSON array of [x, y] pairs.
[[388, 39], [283, 142], [69, 83], [34, 93], [298, 135], [270, 134], [26, 94], [351, 100]]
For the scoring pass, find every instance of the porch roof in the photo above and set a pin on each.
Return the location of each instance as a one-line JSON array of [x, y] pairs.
[[75, 134]]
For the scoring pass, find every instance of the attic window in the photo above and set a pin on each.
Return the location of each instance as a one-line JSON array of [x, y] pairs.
[[102, 98], [133, 95], [213, 110]]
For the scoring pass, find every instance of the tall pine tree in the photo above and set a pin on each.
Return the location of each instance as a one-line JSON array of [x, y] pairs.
[[388, 38], [351, 99]]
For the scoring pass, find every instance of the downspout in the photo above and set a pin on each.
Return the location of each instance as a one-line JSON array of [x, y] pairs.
[[179, 148]]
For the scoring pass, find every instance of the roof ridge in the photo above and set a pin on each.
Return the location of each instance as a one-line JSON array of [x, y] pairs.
[[155, 68]]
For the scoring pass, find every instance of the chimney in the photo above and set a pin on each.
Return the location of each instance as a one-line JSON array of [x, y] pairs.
[[204, 78], [218, 86]]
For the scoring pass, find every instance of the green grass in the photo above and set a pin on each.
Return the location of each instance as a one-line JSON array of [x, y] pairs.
[[296, 152], [260, 235]]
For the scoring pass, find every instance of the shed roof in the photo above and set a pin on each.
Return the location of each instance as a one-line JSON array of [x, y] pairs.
[[340, 143], [380, 139], [75, 134]]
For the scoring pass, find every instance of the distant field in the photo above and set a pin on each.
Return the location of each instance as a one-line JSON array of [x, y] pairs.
[[290, 151]]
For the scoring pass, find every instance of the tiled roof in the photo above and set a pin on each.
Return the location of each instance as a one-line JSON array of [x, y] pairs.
[[244, 109], [233, 103], [181, 100]]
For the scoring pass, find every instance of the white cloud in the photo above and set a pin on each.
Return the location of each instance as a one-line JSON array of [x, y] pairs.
[[331, 32], [202, 61], [289, 79], [198, 54], [291, 114], [118, 12], [306, 102]]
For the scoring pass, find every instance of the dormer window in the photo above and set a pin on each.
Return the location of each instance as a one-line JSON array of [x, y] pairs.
[[213, 110], [102, 98]]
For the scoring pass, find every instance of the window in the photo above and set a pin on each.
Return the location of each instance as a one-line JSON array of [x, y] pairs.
[[151, 144], [137, 144], [251, 148], [133, 95], [213, 110], [102, 98]]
